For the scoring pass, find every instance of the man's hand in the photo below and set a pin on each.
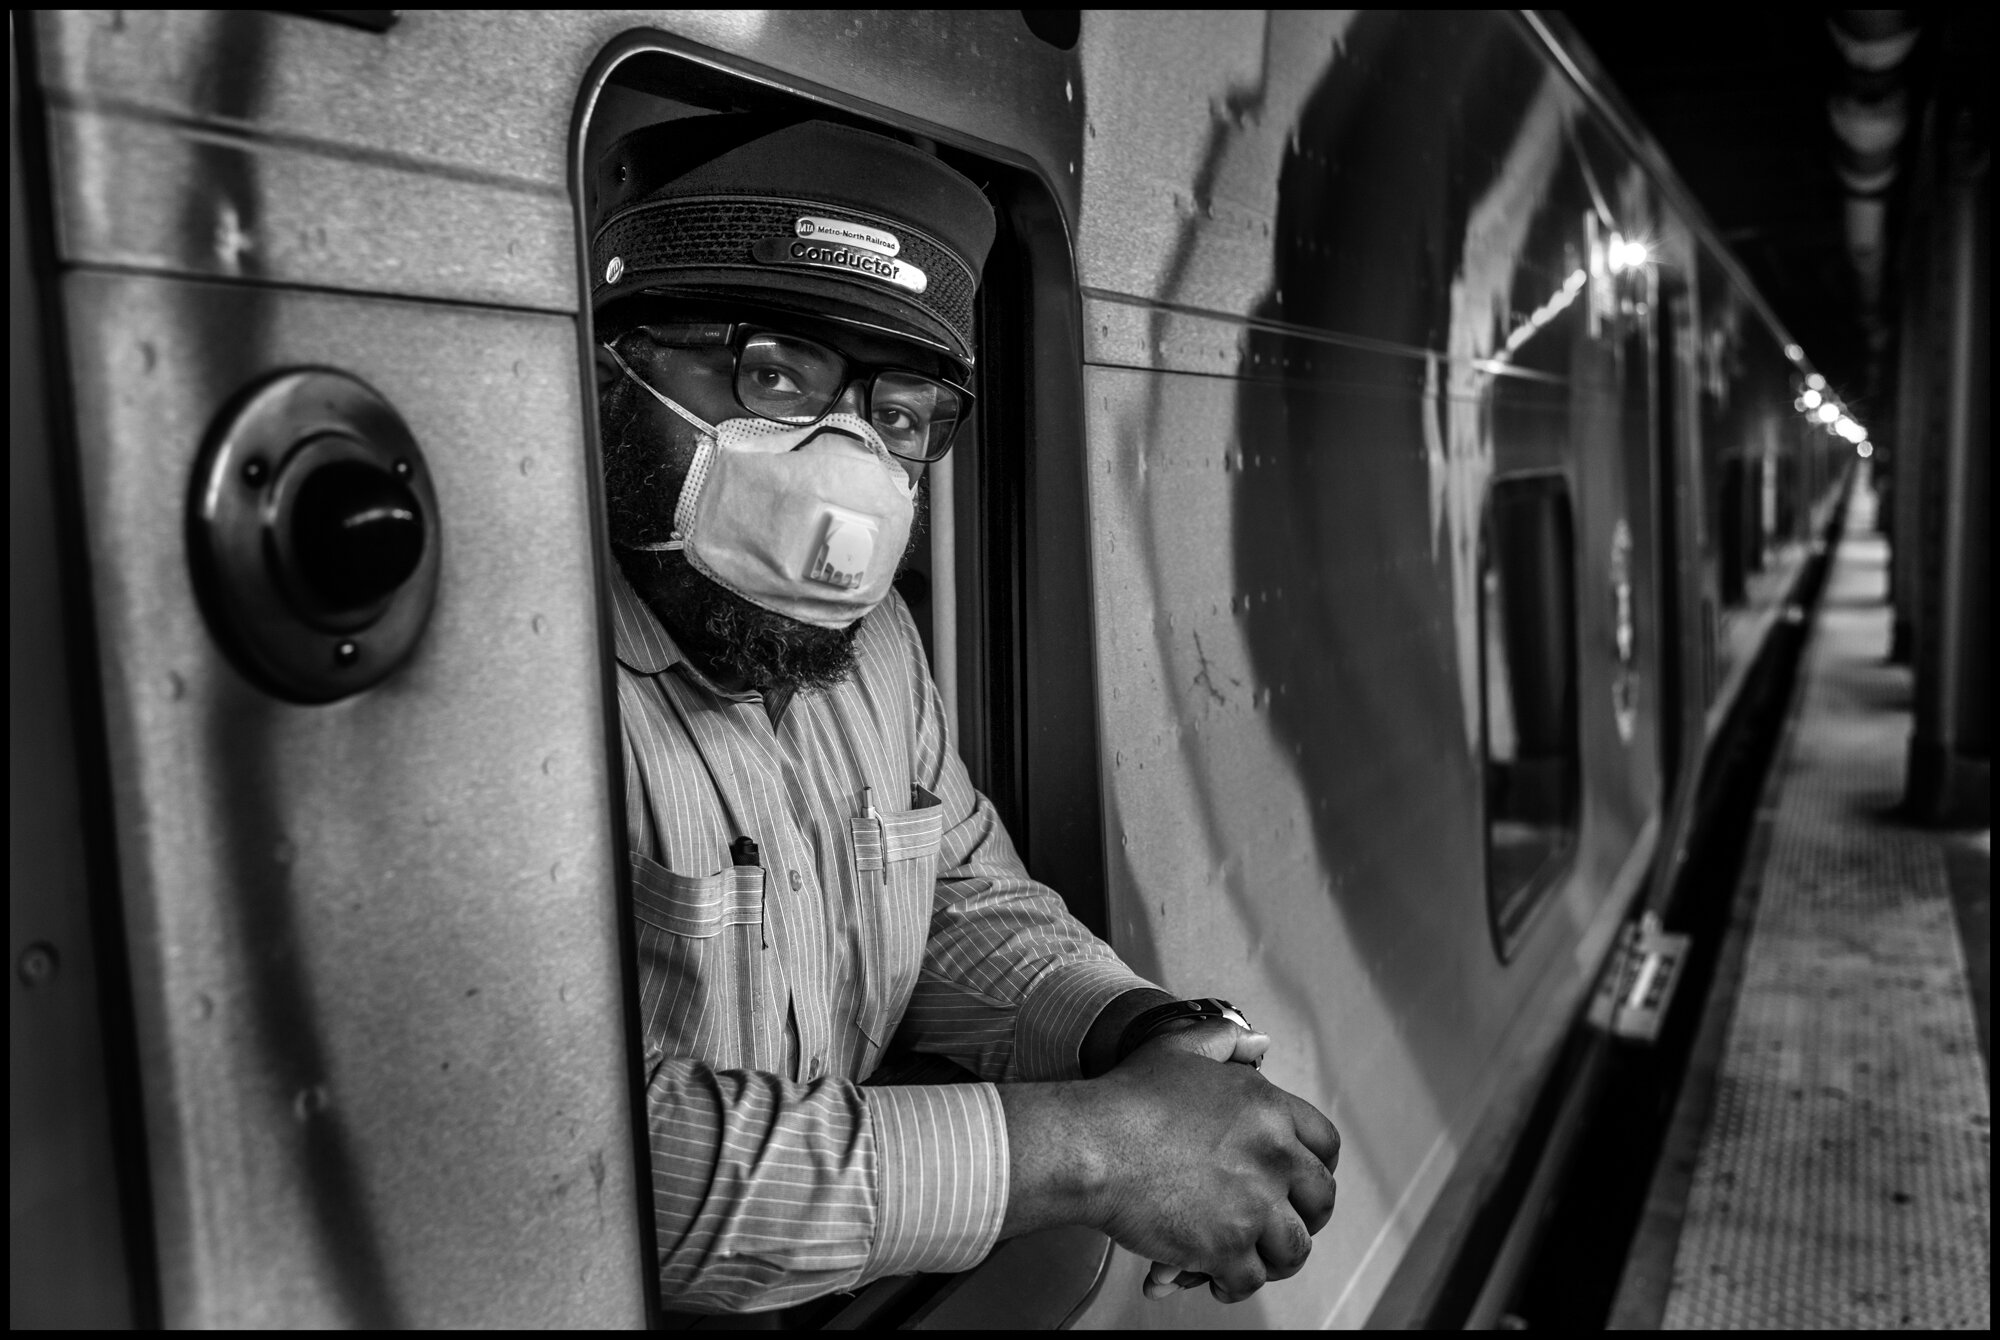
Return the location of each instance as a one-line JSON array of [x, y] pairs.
[[1226, 1042], [1224, 1174], [1208, 1167]]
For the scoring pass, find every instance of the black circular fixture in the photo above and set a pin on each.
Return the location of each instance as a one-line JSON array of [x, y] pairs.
[[357, 533], [313, 535]]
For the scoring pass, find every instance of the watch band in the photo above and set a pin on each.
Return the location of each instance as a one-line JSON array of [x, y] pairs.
[[1146, 1021]]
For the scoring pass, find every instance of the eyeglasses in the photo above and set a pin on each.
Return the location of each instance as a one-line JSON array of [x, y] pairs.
[[794, 380]]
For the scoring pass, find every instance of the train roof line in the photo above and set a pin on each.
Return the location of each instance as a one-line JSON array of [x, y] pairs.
[[1575, 58]]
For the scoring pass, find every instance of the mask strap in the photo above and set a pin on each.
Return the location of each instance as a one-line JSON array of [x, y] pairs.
[[654, 392], [676, 543]]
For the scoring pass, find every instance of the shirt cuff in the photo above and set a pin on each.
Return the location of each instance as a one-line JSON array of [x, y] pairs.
[[941, 1176], [1058, 1013]]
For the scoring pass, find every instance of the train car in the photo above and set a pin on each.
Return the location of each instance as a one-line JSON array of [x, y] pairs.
[[1383, 486]]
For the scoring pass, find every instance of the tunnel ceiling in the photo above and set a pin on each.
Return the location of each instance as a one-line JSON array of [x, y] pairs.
[[1745, 104]]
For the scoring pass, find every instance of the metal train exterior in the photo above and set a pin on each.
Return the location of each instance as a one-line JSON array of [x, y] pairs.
[[1384, 483]]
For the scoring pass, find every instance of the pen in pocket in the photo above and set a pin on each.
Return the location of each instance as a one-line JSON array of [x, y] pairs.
[[743, 851]]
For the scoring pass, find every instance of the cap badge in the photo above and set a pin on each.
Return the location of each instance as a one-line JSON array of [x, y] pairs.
[[853, 234], [854, 260], [613, 271]]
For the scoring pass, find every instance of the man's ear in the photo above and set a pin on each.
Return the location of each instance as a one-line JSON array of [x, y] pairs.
[[608, 371]]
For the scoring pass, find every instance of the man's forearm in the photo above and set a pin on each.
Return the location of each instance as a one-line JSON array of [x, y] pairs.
[[1055, 1171], [1100, 1045]]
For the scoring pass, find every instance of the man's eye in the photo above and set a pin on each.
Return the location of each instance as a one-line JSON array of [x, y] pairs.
[[775, 381], [896, 419]]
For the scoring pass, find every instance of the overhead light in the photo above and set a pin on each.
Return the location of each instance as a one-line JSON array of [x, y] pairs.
[[1794, 353], [1810, 399], [1626, 254], [1829, 412], [1817, 382], [1850, 430], [1863, 450]]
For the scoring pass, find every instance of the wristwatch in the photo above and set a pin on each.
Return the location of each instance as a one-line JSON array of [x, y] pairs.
[[1146, 1022]]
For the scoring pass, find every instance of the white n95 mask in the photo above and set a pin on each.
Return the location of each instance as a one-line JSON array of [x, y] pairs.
[[808, 521]]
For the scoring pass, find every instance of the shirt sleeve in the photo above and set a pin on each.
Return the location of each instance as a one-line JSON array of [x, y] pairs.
[[768, 1192], [1011, 982]]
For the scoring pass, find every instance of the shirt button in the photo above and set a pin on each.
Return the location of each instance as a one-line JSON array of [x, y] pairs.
[[796, 881]]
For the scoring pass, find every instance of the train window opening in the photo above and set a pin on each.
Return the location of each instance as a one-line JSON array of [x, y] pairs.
[[970, 519], [991, 580], [1527, 639]]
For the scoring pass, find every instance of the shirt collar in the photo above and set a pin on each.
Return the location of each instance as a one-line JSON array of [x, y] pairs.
[[642, 643]]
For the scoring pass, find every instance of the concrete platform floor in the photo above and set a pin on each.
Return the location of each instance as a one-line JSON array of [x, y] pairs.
[[1844, 1173]]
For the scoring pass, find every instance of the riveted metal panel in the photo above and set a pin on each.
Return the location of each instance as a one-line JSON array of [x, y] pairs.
[[374, 952], [427, 161], [374, 946], [430, 159], [1327, 260], [70, 1262]]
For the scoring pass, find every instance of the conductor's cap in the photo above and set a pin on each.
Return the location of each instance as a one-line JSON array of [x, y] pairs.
[[818, 218]]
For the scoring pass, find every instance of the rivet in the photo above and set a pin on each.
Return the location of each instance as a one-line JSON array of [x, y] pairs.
[[346, 653], [615, 270], [402, 468], [38, 964], [309, 1102], [254, 471]]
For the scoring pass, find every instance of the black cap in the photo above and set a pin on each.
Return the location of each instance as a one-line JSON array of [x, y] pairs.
[[817, 218]]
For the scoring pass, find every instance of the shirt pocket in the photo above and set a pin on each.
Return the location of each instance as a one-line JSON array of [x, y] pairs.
[[706, 974], [895, 859]]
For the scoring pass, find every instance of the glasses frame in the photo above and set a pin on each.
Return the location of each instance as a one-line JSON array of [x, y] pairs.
[[736, 334]]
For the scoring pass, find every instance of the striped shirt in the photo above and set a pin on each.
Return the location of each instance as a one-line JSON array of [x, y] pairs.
[[887, 901]]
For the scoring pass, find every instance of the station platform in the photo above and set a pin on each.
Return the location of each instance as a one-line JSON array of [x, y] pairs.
[[1829, 1162]]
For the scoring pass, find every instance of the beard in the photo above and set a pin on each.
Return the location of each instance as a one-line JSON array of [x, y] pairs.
[[765, 649], [644, 469]]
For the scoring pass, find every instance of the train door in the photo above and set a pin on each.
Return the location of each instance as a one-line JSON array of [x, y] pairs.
[[366, 1028], [1668, 418], [1631, 611], [1687, 650], [302, 296]]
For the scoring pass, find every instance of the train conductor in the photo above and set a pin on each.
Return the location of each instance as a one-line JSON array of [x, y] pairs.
[[785, 324]]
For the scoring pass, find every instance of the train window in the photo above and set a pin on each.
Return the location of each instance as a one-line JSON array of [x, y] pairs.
[[992, 583], [1529, 690], [967, 586]]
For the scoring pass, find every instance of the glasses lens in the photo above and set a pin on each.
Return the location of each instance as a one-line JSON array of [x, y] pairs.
[[915, 415], [795, 380], [788, 379]]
